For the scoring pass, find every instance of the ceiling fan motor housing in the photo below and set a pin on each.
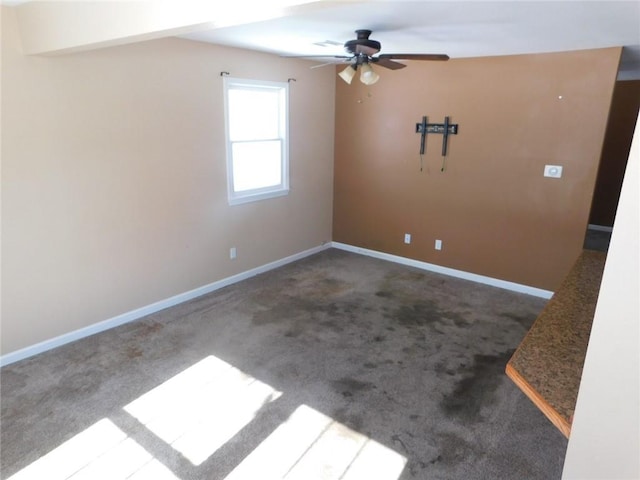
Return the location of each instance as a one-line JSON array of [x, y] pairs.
[[362, 44]]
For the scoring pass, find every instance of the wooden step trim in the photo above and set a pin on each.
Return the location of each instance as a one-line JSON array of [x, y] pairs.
[[558, 420]]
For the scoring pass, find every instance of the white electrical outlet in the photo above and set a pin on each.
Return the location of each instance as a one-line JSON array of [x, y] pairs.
[[407, 238], [233, 253], [438, 245], [553, 171]]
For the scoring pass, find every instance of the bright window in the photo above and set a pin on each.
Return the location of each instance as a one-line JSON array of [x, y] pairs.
[[256, 127]]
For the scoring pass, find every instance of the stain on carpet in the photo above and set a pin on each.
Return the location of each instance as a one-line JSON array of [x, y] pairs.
[[147, 328], [133, 351], [524, 321], [477, 387], [348, 387], [350, 419], [426, 313], [453, 449], [384, 294], [13, 381]]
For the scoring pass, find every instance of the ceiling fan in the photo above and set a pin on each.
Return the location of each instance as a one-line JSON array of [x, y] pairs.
[[362, 53]]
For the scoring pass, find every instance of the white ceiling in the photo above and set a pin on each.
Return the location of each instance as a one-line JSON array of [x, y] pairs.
[[457, 28], [295, 27]]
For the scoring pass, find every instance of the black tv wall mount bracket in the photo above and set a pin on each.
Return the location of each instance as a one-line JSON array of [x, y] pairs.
[[445, 129]]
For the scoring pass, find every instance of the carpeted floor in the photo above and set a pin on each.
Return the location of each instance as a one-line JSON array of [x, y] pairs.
[[320, 369], [597, 240]]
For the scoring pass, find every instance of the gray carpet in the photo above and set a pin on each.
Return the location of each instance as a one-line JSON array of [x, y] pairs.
[[597, 240], [407, 360]]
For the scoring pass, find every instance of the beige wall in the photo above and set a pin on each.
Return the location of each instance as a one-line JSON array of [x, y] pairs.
[[492, 208], [113, 179]]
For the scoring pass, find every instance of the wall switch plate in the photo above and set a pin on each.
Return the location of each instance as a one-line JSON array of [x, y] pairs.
[[232, 253], [407, 238], [438, 245], [553, 171]]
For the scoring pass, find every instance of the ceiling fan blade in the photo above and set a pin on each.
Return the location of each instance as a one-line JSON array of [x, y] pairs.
[[318, 56], [387, 63], [328, 63], [414, 56], [365, 49]]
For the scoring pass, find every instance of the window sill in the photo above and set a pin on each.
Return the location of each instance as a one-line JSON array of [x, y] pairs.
[[241, 199]]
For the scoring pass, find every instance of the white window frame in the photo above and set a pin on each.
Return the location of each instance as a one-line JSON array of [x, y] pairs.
[[240, 197]]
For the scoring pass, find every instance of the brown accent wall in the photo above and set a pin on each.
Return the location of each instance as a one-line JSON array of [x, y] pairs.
[[492, 208], [615, 151]]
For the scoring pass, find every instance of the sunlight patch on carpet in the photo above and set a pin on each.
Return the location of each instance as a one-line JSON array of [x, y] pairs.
[[102, 451], [312, 445], [198, 410]]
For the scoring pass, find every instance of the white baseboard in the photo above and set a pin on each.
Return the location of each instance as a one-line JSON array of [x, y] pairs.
[[600, 228], [183, 297], [149, 309], [494, 282]]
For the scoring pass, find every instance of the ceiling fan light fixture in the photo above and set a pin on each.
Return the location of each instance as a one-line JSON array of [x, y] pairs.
[[367, 75], [347, 74]]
